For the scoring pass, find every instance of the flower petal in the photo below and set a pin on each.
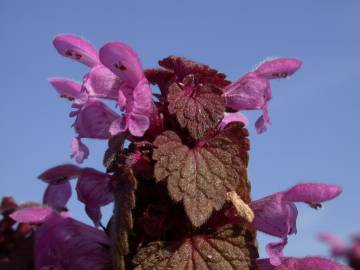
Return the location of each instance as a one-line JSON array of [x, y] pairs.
[[57, 195], [274, 215], [123, 61], [76, 48], [262, 122], [307, 263], [100, 82], [233, 117], [59, 174], [338, 247], [278, 68], [247, 93], [69, 89], [118, 125], [275, 251], [312, 193], [64, 243], [79, 151], [94, 120], [32, 214], [142, 99], [93, 189], [138, 124]]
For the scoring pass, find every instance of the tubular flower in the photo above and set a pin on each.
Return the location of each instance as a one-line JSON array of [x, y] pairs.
[[307, 263], [252, 91], [64, 243], [340, 249], [116, 74], [276, 214], [93, 188]]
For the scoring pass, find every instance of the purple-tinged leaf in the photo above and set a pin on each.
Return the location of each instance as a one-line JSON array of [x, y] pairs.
[[201, 176], [197, 108], [204, 74], [122, 222], [229, 248]]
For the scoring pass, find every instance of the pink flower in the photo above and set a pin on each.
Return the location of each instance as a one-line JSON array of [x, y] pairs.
[[233, 117], [276, 214], [253, 92], [93, 188], [64, 243], [115, 74], [307, 263]]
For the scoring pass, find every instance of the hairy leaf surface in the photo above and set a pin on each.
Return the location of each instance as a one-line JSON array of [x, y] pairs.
[[230, 248], [201, 176]]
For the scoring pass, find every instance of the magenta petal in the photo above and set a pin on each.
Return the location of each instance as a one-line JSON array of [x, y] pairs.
[[307, 263], [278, 68], [61, 173], [312, 193], [338, 247], [138, 124], [76, 48], [32, 214], [118, 125], [263, 121], [94, 120], [79, 151], [94, 214], [123, 61], [275, 251], [93, 189], [142, 97], [69, 89], [247, 93], [233, 117], [274, 215], [64, 243], [102, 83], [57, 195]]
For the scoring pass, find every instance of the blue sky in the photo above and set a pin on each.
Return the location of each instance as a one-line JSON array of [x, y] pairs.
[[315, 114]]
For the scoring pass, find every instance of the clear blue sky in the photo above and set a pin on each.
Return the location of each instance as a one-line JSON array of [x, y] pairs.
[[315, 114]]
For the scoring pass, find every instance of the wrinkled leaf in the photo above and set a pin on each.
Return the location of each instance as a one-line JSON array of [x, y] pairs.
[[201, 176], [229, 248], [197, 108], [202, 73]]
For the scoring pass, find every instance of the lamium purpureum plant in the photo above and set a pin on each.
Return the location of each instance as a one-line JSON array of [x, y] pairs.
[[176, 170]]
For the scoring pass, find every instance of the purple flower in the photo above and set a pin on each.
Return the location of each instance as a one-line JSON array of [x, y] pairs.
[[93, 188], [307, 263], [64, 243], [253, 92], [276, 214], [233, 117], [116, 74], [350, 252]]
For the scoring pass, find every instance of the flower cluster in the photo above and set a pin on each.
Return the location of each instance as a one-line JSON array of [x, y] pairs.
[[176, 169]]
